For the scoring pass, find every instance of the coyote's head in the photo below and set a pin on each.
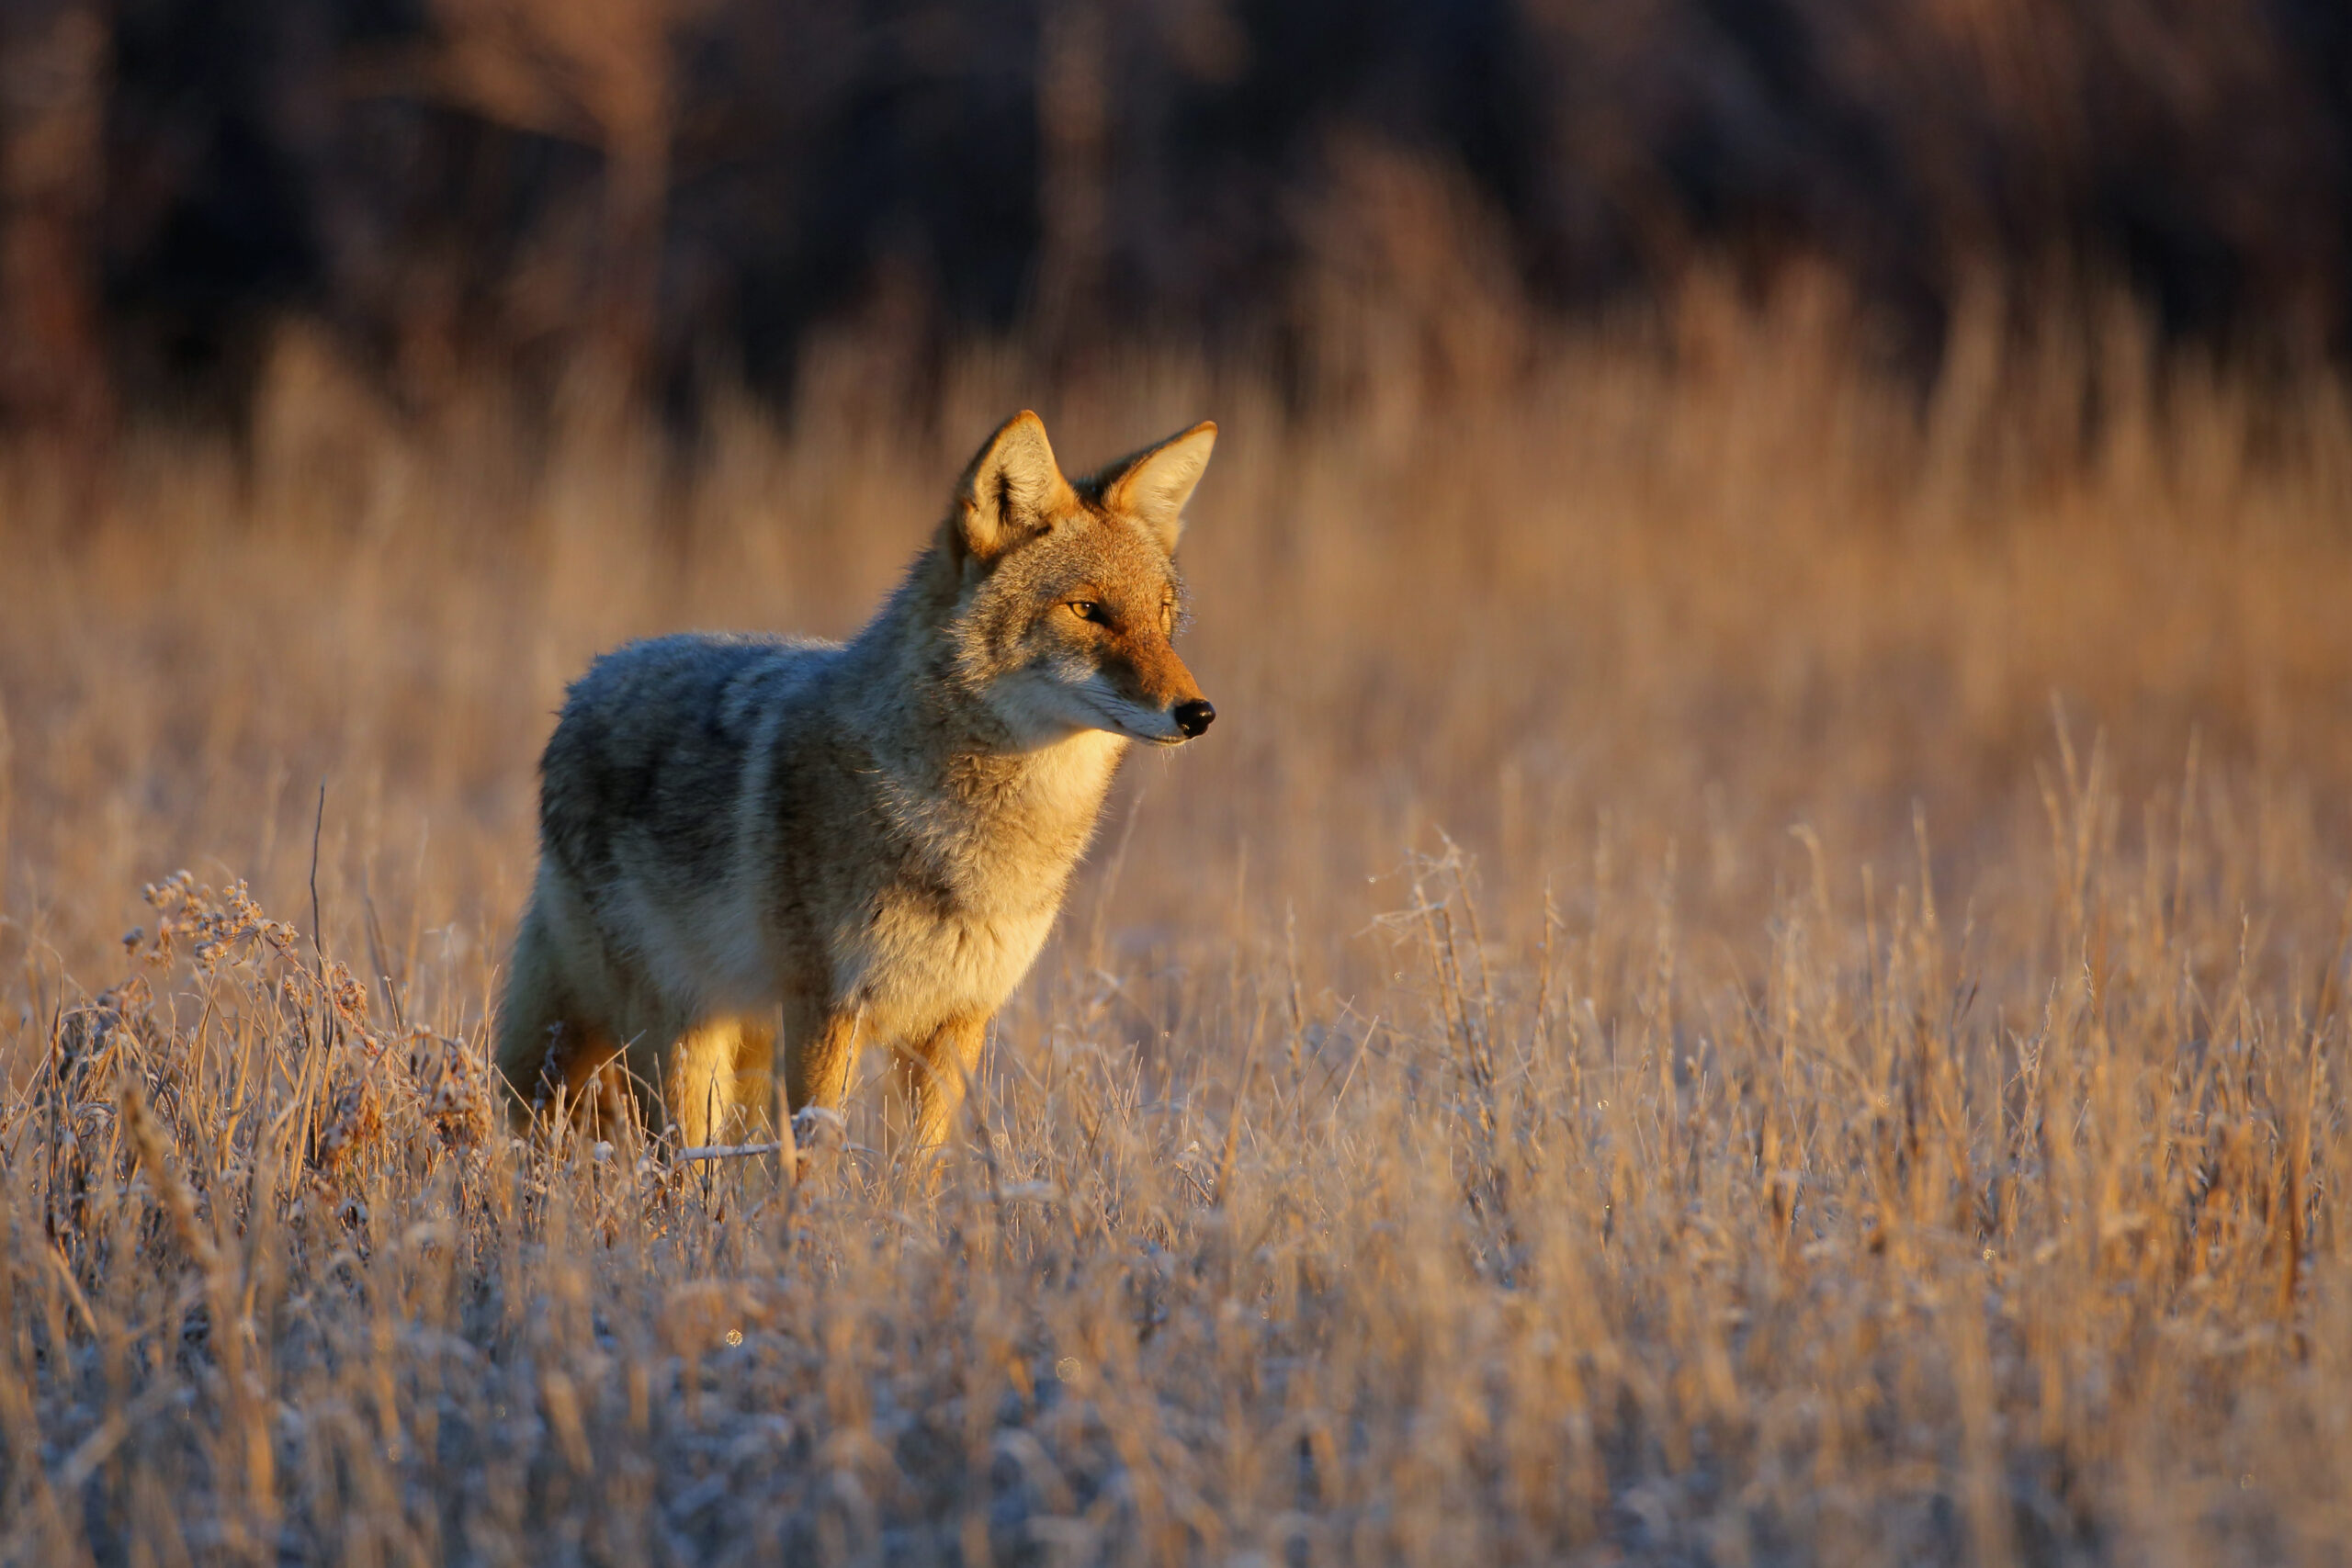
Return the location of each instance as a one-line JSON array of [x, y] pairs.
[[1065, 593]]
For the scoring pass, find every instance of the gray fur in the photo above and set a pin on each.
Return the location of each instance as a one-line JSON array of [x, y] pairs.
[[856, 844]]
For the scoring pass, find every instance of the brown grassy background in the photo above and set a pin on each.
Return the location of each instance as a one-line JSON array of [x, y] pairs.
[[1752, 972]]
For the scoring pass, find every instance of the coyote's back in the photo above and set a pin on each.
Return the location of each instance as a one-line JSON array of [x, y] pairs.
[[750, 843], [647, 756]]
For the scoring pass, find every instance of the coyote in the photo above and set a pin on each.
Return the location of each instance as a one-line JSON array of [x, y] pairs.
[[756, 842]]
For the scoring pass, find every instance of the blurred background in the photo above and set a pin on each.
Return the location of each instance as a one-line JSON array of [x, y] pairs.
[[1648, 424], [688, 194]]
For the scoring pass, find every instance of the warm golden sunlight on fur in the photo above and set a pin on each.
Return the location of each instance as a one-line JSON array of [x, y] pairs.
[[1753, 970]]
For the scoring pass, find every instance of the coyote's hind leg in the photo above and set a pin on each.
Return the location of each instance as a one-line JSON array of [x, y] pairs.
[[545, 1051]]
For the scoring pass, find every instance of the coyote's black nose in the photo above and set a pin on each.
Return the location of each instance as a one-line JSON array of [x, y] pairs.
[[1193, 717]]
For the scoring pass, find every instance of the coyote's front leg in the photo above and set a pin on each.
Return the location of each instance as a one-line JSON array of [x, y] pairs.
[[932, 1075], [821, 1049], [718, 1083]]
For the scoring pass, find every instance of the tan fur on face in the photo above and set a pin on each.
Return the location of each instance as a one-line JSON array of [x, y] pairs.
[[747, 839], [1105, 543]]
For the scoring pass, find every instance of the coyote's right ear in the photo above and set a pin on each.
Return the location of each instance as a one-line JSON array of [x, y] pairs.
[[1014, 490]]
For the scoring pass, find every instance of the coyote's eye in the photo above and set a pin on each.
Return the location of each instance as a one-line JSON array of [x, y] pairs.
[[1089, 610]]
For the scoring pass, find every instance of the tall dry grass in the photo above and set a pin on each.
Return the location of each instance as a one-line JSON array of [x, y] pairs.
[[1753, 973]]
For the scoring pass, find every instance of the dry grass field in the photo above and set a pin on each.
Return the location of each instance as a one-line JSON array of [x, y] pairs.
[[1753, 973]]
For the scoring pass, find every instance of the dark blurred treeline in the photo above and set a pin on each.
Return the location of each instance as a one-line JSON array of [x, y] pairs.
[[686, 190]]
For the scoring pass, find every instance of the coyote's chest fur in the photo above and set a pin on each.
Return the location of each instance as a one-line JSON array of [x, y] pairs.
[[979, 886], [748, 840]]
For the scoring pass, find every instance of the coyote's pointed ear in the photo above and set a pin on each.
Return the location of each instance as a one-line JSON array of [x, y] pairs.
[[1153, 485], [1012, 490]]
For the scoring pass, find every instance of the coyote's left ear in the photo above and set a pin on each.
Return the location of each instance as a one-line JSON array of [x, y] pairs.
[[1153, 485]]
